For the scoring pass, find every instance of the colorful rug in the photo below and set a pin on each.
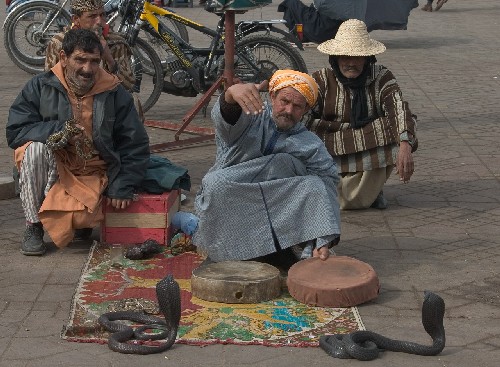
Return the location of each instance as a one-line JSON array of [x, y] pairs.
[[279, 322]]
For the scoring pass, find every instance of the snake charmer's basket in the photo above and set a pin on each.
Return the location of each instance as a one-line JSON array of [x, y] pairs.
[[338, 281]]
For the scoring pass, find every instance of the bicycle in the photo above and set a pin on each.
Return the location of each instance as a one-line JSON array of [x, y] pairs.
[[189, 70], [30, 25], [28, 28]]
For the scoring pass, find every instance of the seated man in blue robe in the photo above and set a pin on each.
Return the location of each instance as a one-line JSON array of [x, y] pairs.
[[273, 184]]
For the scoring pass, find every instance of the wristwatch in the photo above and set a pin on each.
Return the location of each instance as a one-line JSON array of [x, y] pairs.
[[405, 136]]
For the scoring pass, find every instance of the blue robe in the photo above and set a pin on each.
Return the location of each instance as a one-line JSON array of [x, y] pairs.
[[265, 182]]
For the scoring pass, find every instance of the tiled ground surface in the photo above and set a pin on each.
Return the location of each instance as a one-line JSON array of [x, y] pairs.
[[440, 233]]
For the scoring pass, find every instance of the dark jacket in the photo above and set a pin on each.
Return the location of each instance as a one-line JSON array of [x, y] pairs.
[[42, 108]]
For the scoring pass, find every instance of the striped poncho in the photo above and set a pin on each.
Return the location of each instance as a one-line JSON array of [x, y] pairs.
[[376, 144]]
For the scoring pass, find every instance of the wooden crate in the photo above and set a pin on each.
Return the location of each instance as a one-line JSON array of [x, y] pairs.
[[149, 217]]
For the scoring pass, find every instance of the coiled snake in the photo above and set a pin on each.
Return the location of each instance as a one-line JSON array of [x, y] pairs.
[[366, 345], [169, 300], [60, 139]]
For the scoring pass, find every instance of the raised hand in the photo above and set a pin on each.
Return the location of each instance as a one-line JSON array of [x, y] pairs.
[[247, 96]]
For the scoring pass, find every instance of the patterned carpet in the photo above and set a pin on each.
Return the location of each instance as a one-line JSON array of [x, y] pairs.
[[279, 322]]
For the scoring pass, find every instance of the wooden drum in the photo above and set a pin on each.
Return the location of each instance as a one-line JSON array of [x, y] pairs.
[[236, 282], [338, 281]]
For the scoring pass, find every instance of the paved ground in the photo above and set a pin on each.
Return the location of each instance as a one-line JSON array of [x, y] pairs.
[[440, 233]]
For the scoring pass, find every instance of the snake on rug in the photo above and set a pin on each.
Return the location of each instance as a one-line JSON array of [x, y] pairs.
[[366, 345], [169, 301]]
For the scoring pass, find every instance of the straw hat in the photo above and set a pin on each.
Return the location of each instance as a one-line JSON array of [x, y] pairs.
[[352, 39]]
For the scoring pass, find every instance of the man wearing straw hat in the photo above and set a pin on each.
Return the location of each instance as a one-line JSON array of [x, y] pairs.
[[362, 118], [273, 184]]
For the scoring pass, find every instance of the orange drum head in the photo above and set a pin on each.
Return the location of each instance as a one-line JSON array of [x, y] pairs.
[[338, 281]]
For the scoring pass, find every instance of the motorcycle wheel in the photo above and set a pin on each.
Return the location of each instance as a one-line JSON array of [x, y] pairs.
[[24, 39], [148, 72], [269, 54]]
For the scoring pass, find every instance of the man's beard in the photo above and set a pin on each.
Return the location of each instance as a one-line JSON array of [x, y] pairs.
[[347, 69], [289, 123], [76, 85]]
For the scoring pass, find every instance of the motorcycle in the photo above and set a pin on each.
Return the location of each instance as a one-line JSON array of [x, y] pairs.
[[28, 28], [30, 25], [176, 67]]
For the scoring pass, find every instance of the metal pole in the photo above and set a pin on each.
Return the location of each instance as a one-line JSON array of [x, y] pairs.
[[229, 42]]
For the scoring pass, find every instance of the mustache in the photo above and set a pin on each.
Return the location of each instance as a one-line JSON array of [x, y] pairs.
[[285, 115], [353, 68], [86, 75]]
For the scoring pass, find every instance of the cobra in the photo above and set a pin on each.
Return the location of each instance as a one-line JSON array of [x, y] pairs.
[[169, 300], [366, 345]]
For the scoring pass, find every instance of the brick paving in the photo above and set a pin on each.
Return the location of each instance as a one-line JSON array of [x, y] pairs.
[[440, 232]]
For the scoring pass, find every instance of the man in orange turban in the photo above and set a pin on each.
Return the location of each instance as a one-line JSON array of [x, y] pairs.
[[273, 184]]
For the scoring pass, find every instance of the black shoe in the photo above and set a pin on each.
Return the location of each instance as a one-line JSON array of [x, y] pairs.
[[82, 234], [32, 244], [380, 202]]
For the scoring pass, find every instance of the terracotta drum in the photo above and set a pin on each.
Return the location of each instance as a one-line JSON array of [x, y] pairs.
[[339, 281]]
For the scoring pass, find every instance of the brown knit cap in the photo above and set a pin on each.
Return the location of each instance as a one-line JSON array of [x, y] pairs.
[[86, 5]]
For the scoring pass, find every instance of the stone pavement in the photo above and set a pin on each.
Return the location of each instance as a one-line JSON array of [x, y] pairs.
[[440, 232]]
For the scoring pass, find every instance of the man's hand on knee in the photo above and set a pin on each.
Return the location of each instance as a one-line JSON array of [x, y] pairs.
[[404, 164], [119, 203]]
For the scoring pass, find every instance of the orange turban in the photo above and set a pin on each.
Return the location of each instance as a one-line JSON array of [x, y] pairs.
[[301, 82]]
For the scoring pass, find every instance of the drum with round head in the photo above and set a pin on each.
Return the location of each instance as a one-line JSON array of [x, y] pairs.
[[338, 281], [236, 282]]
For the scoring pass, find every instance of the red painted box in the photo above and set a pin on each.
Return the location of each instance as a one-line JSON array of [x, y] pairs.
[[147, 218]]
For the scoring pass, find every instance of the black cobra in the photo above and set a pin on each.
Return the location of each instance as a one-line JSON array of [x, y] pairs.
[[169, 301], [366, 345]]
